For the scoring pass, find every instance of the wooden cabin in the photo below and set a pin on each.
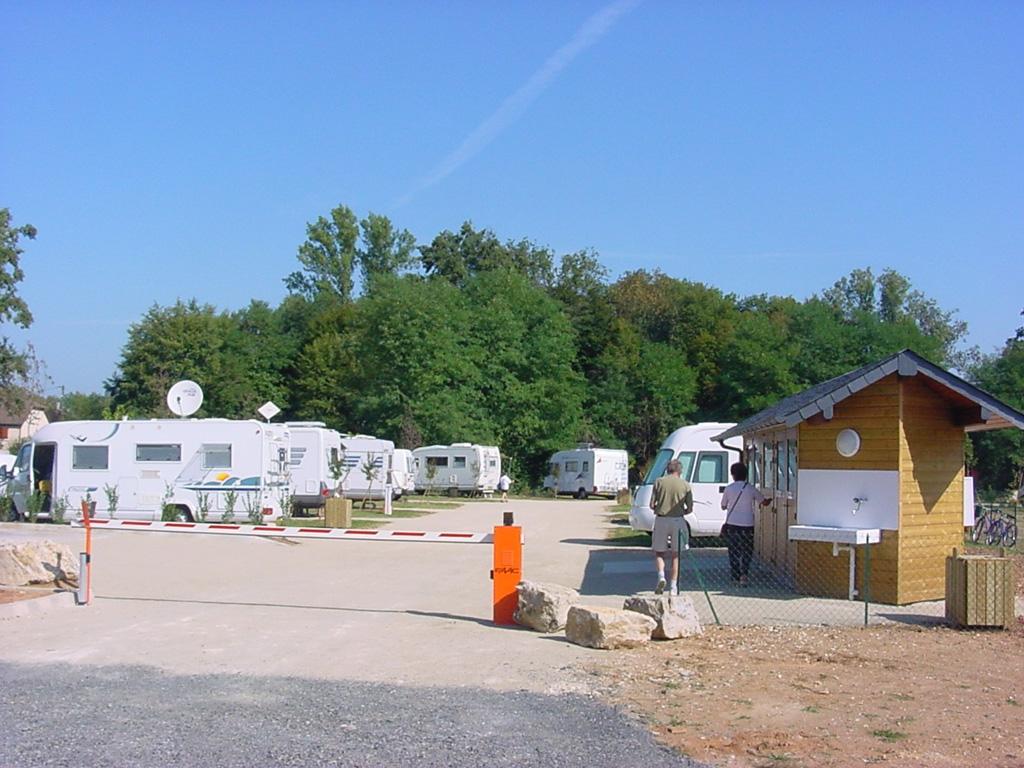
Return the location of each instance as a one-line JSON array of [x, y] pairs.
[[875, 455]]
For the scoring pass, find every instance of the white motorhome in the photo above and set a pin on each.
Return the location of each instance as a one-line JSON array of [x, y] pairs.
[[403, 471], [365, 466], [189, 466], [459, 467], [312, 462], [586, 470], [705, 466]]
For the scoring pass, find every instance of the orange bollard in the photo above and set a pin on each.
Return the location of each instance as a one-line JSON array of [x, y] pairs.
[[85, 572], [508, 571]]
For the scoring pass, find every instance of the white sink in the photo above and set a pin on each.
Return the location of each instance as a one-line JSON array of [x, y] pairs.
[[835, 534]]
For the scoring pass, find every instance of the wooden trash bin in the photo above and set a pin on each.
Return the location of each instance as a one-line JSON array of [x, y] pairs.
[[979, 590], [338, 513]]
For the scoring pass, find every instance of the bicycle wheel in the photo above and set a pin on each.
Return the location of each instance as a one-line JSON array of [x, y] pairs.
[[1010, 536], [994, 537], [980, 530]]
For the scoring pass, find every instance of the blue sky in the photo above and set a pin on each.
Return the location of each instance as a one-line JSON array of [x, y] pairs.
[[177, 149]]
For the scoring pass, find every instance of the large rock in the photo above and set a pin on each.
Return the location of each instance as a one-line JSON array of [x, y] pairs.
[[676, 616], [37, 562], [544, 607], [607, 628]]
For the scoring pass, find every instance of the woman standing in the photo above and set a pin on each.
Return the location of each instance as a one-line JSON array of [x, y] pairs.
[[739, 500]]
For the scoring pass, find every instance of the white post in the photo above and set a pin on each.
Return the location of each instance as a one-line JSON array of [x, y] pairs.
[[387, 499], [82, 593]]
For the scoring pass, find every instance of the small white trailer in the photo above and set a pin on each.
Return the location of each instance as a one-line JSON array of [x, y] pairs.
[[457, 468], [191, 467], [705, 466], [586, 471]]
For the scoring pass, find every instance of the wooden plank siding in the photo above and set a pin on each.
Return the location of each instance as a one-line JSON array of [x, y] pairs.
[[874, 412], [931, 490]]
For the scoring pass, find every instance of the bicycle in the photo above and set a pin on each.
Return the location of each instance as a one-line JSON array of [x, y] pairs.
[[994, 527]]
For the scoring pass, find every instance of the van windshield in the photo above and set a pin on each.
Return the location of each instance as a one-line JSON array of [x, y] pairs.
[[661, 461]]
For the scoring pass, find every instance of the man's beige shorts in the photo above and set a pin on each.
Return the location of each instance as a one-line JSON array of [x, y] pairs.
[[666, 534]]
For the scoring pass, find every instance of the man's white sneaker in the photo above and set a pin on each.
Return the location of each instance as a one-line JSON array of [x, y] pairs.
[[661, 587], [673, 590]]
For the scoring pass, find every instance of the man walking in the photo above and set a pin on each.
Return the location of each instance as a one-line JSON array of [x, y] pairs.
[[504, 483], [671, 498]]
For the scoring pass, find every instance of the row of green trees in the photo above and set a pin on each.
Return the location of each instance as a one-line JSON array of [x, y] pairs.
[[470, 338]]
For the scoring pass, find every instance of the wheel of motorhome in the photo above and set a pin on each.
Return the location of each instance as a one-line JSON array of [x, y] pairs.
[[705, 466], [586, 471]]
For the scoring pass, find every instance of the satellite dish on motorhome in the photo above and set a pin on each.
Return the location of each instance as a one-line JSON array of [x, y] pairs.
[[268, 410], [184, 398]]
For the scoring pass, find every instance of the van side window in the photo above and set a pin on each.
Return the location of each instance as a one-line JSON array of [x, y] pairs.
[[157, 452], [710, 467], [89, 457], [586, 466], [216, 456], [572, 466], [492, 463], [459, 462], [437, 461]]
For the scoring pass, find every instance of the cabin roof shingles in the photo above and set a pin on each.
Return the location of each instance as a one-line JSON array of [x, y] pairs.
[[822, 397]]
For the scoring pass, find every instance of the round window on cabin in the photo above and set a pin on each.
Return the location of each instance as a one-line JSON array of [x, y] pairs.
[[848, 443]]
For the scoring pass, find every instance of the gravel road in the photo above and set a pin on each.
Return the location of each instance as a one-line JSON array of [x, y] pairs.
[[62, 715]]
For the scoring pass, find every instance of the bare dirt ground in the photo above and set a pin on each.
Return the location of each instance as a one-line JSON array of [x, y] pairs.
[[894, 695], [15, 595]]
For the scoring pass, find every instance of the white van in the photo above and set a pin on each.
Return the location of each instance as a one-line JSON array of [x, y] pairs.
[[459, 467], [187, 464], [705, 467], [586, 470], [403, 471]]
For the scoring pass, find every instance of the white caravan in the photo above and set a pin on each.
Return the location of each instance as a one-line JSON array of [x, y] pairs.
[[705, 467], [186, 465], [586, 470], [403, 471], [461, 467], [365, 466], [315, 450]]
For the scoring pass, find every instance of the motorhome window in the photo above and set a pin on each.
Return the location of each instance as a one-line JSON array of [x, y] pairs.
[[216, 456], [334, 456], [492, 463], [89, 457], [572, 466], [155, 452], [459, 462], [710, 468], [586, 466], [437, 461]]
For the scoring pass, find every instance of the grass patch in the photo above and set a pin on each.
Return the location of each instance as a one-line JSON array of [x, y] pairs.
[[627, 537], [422, 503], [395, 512], [619, 508], [318, 522], [812, 709], [888, 735]]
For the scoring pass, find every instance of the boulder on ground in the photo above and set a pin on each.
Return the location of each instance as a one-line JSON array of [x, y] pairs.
[[675, 615], [607, 628], [37, 562], [544, 607]]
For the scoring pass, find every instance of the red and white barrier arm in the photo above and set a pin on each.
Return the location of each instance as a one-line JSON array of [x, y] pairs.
[[233, 529]]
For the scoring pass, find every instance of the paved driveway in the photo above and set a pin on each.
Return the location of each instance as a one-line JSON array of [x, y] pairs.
[[238, 651]]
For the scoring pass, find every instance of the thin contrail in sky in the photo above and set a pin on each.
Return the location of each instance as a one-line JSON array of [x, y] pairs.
[[592, 30]]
